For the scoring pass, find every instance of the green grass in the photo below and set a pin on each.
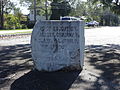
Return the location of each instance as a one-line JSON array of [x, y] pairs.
[[91, 27], [17, 33], [14, 29], [87, 27]]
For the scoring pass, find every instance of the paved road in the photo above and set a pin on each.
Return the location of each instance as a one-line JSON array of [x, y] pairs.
[[102, 36], [95, 36], [15, 40], [101, 70]]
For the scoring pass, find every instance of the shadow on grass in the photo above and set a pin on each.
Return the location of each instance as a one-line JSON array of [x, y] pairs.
[[18, 58], [35, 80], [105, 58], [13, 59]]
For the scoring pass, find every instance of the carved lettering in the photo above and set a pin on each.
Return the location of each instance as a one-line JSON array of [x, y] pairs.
[[57, 44]]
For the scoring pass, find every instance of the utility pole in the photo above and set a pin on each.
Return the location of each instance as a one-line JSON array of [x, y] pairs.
[[46, 11], [34, 10]]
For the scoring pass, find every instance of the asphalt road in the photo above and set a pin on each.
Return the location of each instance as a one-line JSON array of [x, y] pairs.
[[102, 36], [101, 70]]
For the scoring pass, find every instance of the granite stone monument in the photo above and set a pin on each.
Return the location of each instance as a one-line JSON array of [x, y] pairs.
[[58, 45]]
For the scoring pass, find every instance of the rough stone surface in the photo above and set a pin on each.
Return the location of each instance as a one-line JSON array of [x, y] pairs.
[[57, 45]]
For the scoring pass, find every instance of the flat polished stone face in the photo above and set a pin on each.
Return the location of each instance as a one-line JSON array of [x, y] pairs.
[[57, 45]]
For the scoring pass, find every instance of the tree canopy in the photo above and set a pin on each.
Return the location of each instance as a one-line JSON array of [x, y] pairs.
[[114, 5], [55, 9], [5, 7]]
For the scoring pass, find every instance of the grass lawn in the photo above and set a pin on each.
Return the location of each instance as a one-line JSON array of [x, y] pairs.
[[17, 33], [10, 32], [13, 29]]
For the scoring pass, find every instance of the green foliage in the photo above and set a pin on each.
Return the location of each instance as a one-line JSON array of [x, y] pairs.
[[80, 9], [114, 5], [88, 9], [12, 22], [53, 10], [19, 15], [91, 10], [109, 19], [5, 7], [40, 5], [95, 10], [8, 6]]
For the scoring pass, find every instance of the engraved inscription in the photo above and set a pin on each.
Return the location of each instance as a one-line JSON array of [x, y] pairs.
[[56, 45]]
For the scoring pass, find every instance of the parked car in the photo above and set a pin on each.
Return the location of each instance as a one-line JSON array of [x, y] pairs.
[[92, 23], [69, 18]]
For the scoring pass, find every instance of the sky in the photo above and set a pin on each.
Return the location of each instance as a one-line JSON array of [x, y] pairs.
[[25, 9]]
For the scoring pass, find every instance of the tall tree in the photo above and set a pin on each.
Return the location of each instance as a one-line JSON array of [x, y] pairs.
[[87, 9], [17, 13], [40, 6], [58, 7], [114, 5], [1, 14], [5, 7]]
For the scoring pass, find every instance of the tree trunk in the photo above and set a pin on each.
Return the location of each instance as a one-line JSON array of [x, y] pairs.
[[1, 15]]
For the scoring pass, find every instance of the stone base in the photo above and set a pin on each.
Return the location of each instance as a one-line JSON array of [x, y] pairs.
[[65, 69]]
